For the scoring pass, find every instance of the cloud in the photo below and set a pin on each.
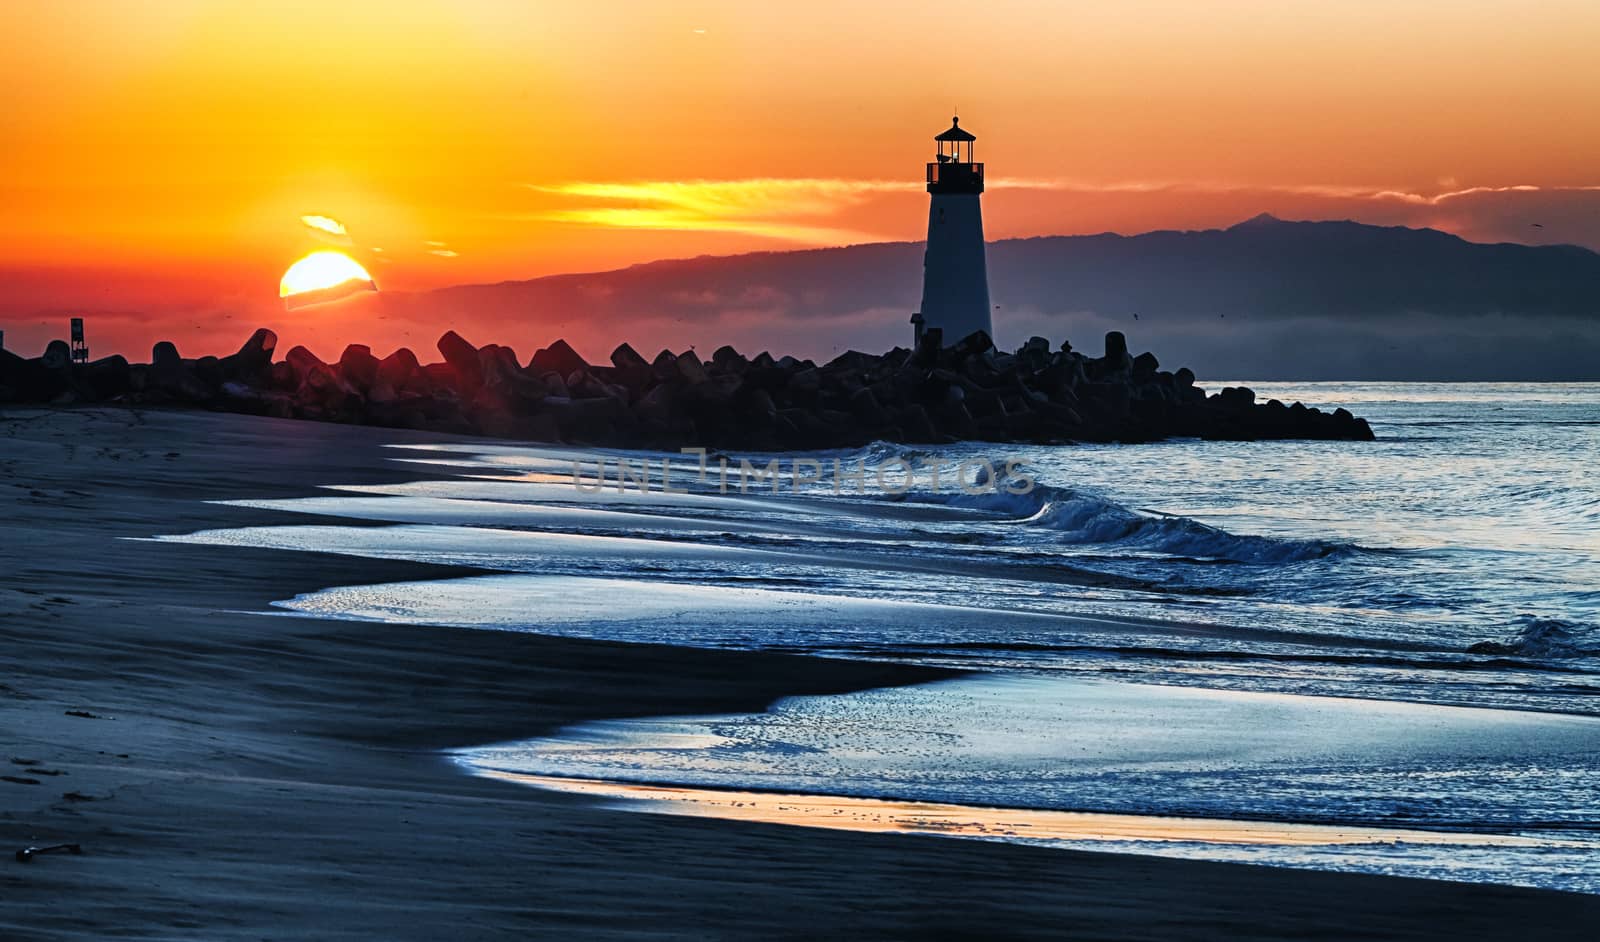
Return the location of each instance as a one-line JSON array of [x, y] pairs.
[[327, 229], [1324, 190], [787, 209], [820, 211]]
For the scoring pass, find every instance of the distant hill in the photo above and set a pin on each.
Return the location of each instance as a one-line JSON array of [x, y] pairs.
[[1260, 300]]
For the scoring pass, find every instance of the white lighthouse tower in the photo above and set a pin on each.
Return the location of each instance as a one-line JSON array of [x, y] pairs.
[[955, 273]]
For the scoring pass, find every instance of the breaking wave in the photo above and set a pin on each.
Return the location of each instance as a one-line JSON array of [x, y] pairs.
[[1544, 638], [1088, 518]]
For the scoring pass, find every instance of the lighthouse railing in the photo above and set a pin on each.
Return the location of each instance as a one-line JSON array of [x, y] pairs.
[[954, 173]]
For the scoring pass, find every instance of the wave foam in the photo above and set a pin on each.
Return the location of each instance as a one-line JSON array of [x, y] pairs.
[[1088, 518]]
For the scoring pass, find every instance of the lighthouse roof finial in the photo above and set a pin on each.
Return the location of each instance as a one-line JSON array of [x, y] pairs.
[[956, 132]]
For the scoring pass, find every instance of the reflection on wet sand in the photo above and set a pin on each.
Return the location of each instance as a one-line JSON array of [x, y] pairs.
[[918, 817]]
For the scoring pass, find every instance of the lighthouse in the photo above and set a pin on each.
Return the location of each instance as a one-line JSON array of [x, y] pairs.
[[955, 273]]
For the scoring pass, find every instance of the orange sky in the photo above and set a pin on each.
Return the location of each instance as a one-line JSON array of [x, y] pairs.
[[160, 154]]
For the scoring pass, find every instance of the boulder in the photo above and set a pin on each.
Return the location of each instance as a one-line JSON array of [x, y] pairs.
[[164, 355], [589, 421], [359, 367], [171, 375], [896, 358], [758, 402], [260, 346], [397, 369], [441, 378], [717, 392], [973, 344], [554, 385], [324, 394], [558, 357], [631, 370], [665, 366], [252, 364], [727, 359], [499, 367], [1035, 354], [929, 348], [241, 397], [208, 370], [301, 360], [57, 356], [850, 361], [463, 360], [689, 368], [955, 421], [866, 408], [1115, 367], [658, 406], [14, 371], [583, 384], [1116, 346], [626, 358], [806, 382], [30, 380], [381, 393], [917, 425], [282, 378], [1238, 397]]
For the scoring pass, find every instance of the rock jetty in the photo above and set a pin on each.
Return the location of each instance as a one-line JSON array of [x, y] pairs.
[[969, 390]]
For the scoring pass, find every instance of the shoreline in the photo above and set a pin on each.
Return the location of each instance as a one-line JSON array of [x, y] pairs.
[[277, 777]]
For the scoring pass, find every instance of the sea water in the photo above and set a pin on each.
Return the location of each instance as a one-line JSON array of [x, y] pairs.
[[1400, 633]]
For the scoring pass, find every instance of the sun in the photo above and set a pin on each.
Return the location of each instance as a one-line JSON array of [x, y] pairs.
[[323, 276]]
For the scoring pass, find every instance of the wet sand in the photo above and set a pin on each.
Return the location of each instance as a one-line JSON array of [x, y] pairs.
[[884, 815], [265, 776]]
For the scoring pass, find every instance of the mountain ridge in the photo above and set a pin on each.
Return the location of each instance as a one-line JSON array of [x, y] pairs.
[[1265, 298], [1260, 220]]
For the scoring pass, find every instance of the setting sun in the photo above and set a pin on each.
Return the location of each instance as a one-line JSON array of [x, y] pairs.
[[323, 276]]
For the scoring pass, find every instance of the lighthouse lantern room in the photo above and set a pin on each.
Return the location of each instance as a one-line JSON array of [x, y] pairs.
[[955, 278]]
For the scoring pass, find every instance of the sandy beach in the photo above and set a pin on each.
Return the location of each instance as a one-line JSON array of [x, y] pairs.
[[236, 772]]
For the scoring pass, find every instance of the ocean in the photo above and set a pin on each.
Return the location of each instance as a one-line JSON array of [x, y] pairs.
[[1401, 635]]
